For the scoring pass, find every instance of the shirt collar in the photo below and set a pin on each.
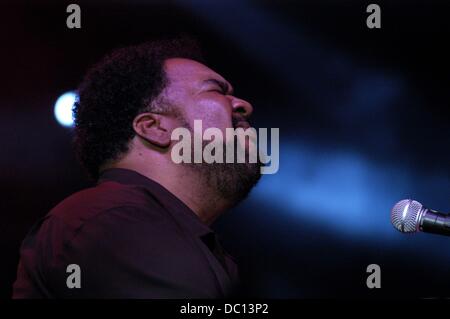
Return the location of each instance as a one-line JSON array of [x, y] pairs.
[[179, 210]]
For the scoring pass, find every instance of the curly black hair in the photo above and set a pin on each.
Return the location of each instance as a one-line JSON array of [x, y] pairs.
[[115, 90]]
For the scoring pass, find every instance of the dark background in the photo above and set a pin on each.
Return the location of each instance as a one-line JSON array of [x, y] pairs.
[[363, 117]]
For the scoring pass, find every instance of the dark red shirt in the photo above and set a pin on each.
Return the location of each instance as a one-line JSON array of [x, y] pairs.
[[131, 238]]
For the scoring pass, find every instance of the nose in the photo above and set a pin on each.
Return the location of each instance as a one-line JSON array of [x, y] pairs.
[[242, 107]]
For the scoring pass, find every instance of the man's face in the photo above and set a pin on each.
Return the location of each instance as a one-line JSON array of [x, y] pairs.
[[202, 94], [199, 93]]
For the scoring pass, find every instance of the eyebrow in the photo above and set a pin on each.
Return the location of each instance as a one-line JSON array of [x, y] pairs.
[[224, 86]]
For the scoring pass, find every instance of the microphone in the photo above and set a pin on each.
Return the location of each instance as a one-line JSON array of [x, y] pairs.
[[410, 216]]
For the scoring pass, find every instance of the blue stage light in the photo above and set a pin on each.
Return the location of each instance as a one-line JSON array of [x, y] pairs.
[[63, 109]]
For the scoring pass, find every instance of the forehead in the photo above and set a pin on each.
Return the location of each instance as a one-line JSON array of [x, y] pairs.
[[179, 71]]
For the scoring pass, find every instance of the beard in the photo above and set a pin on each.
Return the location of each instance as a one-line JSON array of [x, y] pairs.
[[230, 181]]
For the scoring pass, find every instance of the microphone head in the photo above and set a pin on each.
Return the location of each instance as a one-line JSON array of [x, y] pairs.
[[405, 215]]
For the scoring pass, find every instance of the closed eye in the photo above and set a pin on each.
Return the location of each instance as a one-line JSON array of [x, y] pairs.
[[218, 86], [221, 91]]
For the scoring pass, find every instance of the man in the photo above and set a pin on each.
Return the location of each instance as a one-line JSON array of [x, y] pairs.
[[143, 230]]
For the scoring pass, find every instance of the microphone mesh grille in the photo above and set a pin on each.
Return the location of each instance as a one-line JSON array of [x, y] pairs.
[[404, 215]]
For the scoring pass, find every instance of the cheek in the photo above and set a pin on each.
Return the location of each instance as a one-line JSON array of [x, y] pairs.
[[213, 114]]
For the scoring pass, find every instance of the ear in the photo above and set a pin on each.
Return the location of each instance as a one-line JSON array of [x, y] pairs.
[[149, 127]]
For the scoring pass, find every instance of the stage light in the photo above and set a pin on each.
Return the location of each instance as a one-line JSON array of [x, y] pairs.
[[63, 109], [344, 191]]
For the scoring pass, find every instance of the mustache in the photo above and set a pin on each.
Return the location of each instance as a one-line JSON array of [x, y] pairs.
[[240, 121]]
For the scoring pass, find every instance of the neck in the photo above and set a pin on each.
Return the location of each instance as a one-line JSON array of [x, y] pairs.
[[184, 183]]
